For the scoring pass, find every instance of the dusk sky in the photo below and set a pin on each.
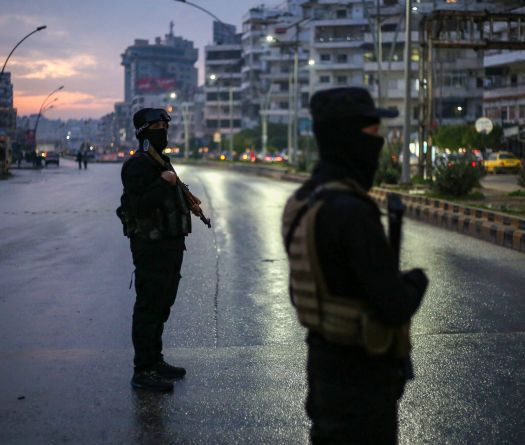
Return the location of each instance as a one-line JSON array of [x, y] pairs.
[[82, 44]]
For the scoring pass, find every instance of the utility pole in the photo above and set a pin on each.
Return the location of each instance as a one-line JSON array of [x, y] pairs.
[[290, 118], [230, 91], [186, 118], [379, 43], [405, 172], [295, 139]]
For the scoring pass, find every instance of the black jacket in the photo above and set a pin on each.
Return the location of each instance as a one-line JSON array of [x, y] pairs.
[[156, 203], [357, 262], [141, 177], [355, 255]]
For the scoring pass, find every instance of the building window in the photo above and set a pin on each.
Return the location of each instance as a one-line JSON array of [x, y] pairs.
[[342, 80], [341, 13], [370, 79], [324, 79], [512, 113], [342, 58], [283, 105], [325, 57], [522, 112]]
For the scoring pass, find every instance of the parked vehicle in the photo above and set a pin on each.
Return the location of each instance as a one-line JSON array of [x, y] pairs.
[[452, 158], [50, 157], [502, 162]]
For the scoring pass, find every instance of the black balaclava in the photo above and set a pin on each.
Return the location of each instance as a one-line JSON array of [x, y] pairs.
[[158, 138], [342, 142]]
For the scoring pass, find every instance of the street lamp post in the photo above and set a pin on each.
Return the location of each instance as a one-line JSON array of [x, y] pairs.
[[201, 9], [293, 111], [230, 97], [214, 78], [186, 120], [185, 111], [44, 103], [40, 28], [264, 121]]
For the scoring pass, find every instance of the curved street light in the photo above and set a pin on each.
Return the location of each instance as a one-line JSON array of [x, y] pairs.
[[211, 14], [42, 110], [40, 28]]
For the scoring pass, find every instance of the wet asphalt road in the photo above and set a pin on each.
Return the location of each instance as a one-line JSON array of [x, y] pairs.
[[65, 309]]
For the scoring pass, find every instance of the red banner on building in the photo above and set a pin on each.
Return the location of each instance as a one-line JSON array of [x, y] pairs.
[[155, 85]]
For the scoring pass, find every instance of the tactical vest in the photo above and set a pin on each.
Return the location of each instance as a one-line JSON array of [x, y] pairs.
[[338, 319], [172, 219]]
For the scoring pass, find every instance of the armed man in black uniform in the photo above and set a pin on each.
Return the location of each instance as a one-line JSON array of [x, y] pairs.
[[155, 211], [344, 279]]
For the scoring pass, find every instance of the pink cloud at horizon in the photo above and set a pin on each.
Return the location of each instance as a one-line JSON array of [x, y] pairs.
[[74, 104]]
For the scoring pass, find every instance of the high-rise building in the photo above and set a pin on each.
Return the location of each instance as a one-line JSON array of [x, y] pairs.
[[165, 66], [154, 75], [223, 66]]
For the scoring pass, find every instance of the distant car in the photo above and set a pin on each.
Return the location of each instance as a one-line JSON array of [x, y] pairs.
[[453, 158], [50, 157], [502, 162]]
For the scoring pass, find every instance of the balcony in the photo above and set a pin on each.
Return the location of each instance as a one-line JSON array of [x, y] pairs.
[[505, 92], [393, 93], [336, 22], [338, 42], [348, 66], [252, 67], [394, 66], [220, 62], [389, 37], [505, 59]]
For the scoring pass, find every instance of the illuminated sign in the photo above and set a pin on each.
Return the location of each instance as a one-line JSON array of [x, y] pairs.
[[155, 85]]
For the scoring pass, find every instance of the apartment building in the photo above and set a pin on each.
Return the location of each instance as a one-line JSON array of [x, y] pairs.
[[255, 29], [223, 104], [504, 89]]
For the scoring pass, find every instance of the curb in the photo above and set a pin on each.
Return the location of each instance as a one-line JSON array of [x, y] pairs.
[[493, 227], [496, 228]]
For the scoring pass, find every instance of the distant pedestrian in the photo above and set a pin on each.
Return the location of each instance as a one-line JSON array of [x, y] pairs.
[[344, 279], [85, 159], [79, 159]]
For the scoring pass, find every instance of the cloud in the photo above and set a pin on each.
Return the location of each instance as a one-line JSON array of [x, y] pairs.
[[68, 102], [19, 19], [54, 68]]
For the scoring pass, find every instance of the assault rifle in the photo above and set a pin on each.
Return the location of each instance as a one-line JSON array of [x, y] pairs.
[[194, 203], [191, 199], [396, 208]]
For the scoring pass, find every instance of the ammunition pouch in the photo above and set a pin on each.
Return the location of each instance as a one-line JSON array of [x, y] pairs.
[[171, 220], [126, 212]]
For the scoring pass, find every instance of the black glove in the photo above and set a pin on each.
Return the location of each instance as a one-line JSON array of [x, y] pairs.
[[417, 278]]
